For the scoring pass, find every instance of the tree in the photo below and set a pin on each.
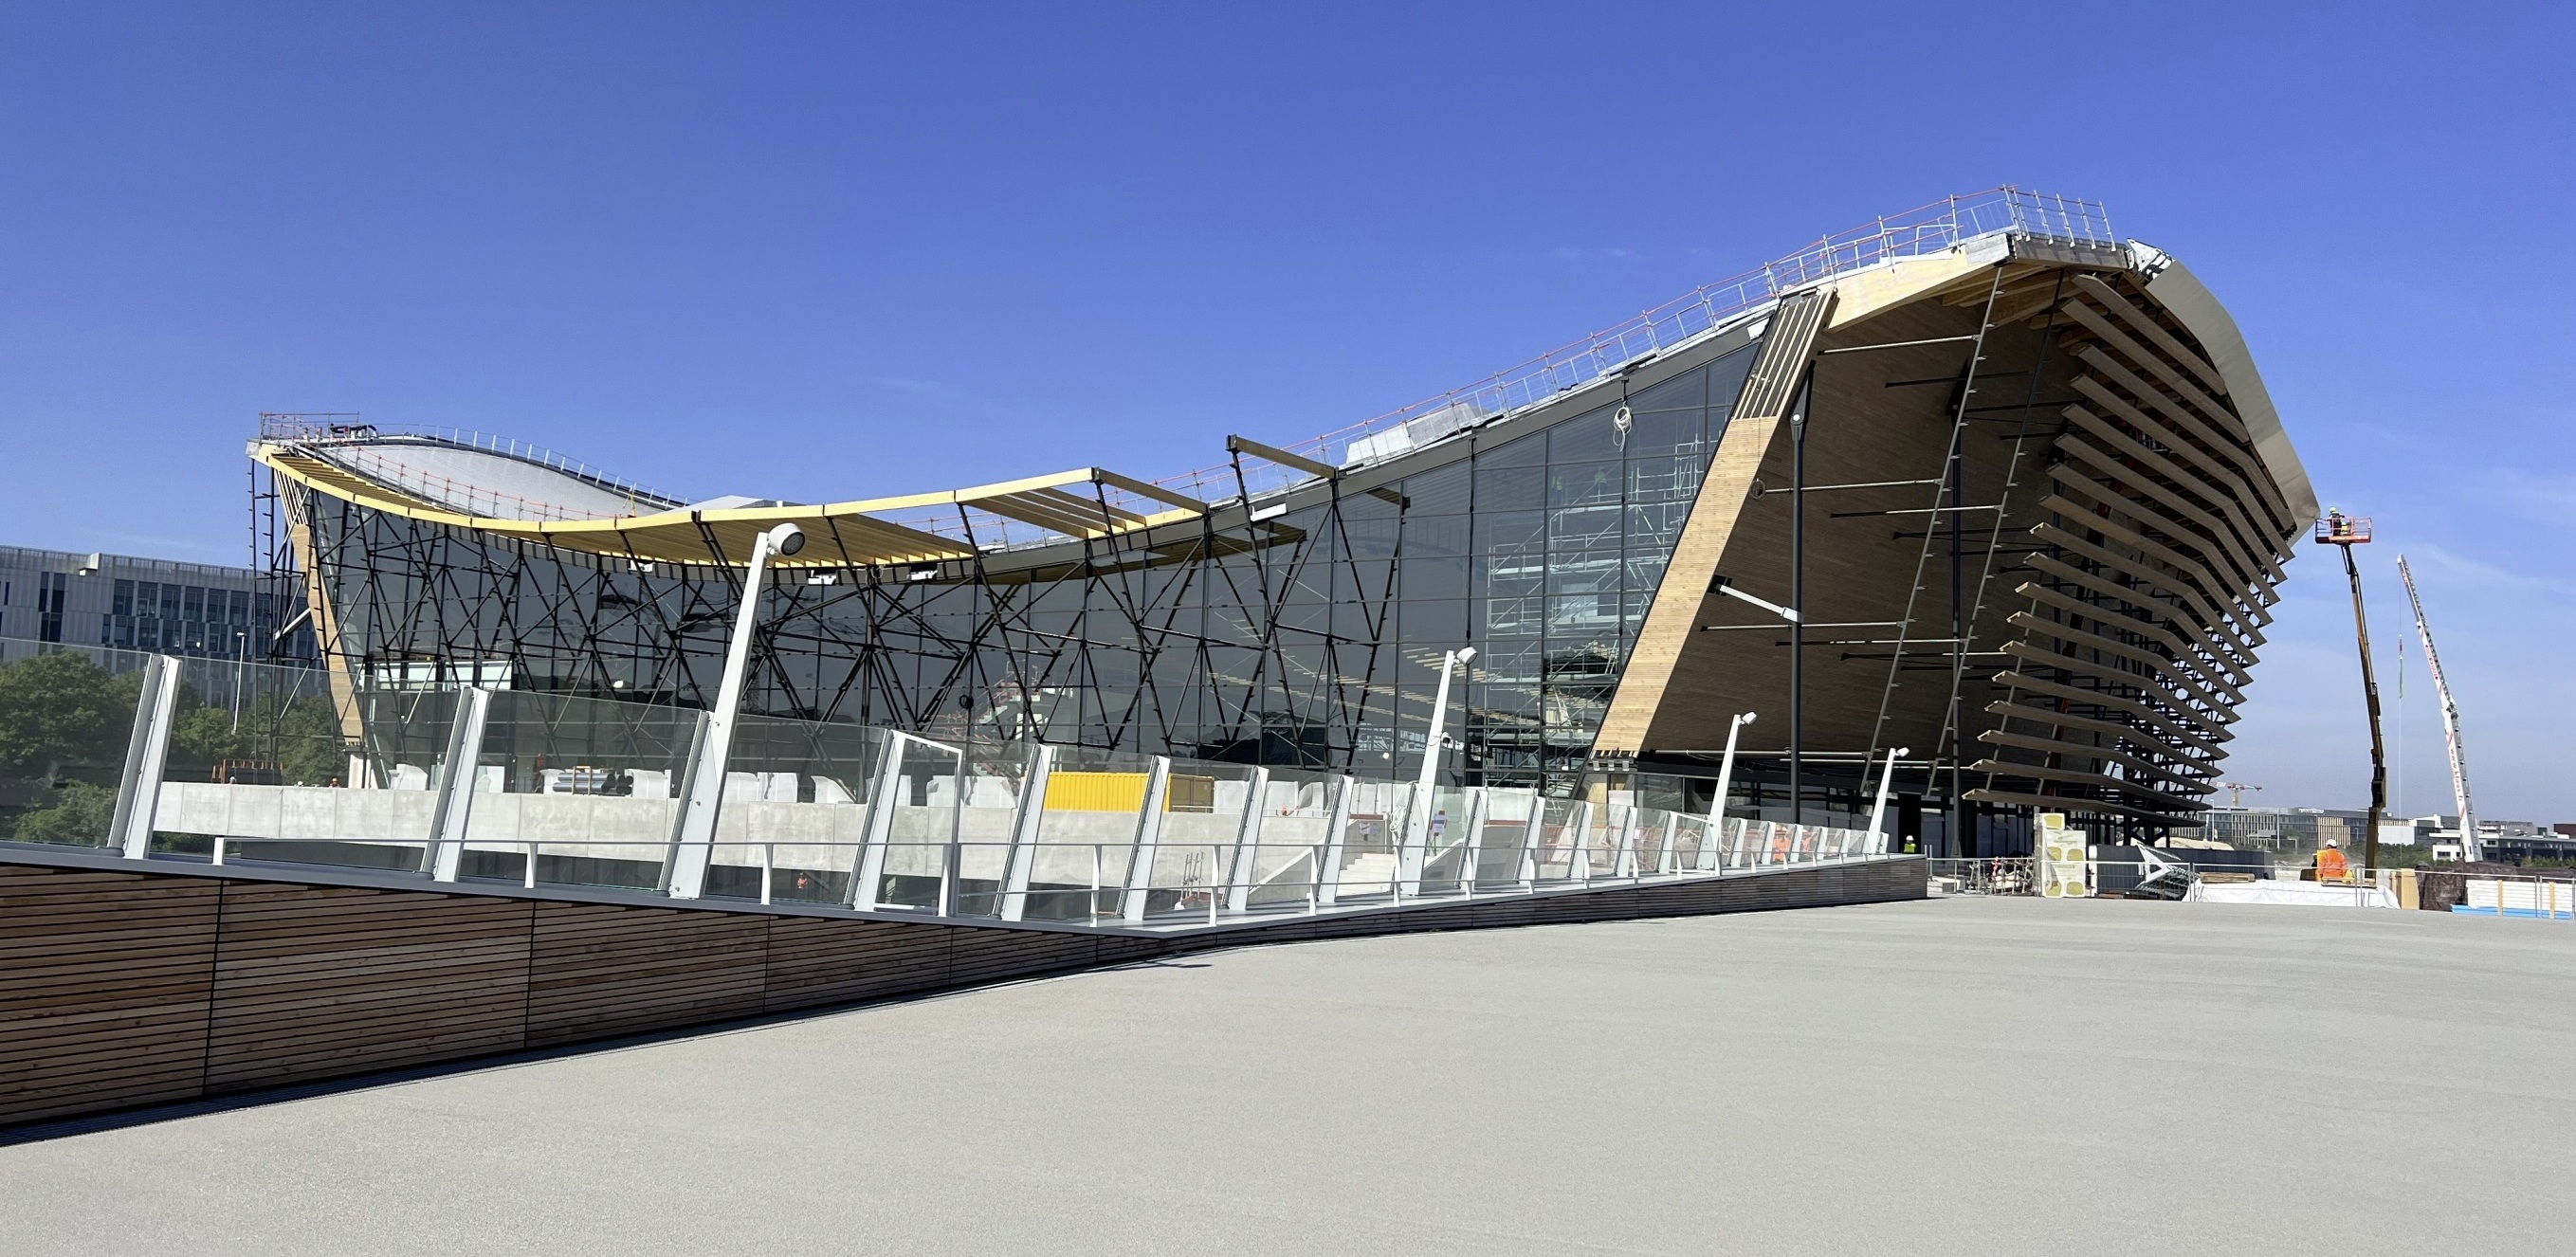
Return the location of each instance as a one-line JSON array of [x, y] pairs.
[[80, 816], [59, 710]]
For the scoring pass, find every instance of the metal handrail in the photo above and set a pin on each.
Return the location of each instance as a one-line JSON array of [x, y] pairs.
[[1925, 229], [1929, 228]]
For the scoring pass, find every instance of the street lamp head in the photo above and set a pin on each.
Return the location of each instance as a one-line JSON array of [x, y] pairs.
[[1466, 654], [1745, 718], [787, 539]]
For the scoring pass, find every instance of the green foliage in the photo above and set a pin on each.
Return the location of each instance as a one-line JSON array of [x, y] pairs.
[[59, 711], [81, 816], [301, 736], [308, 743], [206, 736]]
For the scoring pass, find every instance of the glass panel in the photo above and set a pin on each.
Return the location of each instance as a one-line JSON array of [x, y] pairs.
[[65, 716], [994, 779], [586, 787], [1506, 852], [795, 805], [1297, 813], [1559, 829], [927, 805], [1087, 834], [1202, 821], [1444, 843], [1369, 836], [264, 757]]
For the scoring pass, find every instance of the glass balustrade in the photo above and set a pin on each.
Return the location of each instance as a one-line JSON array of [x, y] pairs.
[[253, 763]]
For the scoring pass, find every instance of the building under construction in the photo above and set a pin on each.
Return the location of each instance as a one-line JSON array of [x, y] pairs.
[[1984, 482]]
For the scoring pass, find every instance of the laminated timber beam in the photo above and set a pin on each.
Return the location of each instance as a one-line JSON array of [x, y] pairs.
[[2113, 703], [2153, 364], [2076, 776], [2094, 751], [2242, 567], [2093, 641], [2080, 518], [2067, 542], [2250, 540], [2209, 670], [2132, 734], [2208, 719], [2145, 325], [1673, 619], [2243, 612], [2090, 583], [2174, 431], [2063, 803], [2267, 493], [2232, 491]]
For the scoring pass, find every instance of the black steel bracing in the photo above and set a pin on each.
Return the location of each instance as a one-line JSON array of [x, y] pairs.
[[1133, 640]]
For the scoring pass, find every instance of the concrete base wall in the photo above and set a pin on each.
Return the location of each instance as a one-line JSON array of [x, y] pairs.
[[122, 988]]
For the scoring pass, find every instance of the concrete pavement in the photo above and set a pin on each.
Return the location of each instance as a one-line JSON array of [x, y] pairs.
[[1982, 1076]]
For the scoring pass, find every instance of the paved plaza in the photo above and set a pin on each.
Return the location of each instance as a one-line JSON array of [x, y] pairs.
[[1986, 1076]]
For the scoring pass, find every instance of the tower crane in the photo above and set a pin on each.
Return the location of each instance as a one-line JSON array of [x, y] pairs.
[[2236, 792], [2450, 720]]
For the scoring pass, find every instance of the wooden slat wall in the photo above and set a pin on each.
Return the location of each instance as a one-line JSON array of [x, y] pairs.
[[124, 989], [105, 985]]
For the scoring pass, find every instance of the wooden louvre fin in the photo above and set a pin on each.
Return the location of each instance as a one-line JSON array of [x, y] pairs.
[[2145, 325], [2064, 803]]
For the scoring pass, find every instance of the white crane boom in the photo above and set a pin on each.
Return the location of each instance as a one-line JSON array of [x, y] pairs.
[[2450, 720]]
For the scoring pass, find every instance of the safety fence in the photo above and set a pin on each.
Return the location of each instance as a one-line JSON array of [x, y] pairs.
[[2482, 891], [234, 764]]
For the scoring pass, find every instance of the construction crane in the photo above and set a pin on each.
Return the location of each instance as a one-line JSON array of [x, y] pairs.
[[2344, 532], [2236, 792], [2450, 720]]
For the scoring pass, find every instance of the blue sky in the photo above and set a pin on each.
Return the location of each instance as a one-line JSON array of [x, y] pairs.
[[827, 252]]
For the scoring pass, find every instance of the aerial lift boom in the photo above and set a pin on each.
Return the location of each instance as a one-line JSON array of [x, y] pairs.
[[2344, 532]]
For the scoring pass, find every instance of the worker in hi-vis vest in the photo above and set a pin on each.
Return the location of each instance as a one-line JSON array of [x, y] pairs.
[[2330, 862]]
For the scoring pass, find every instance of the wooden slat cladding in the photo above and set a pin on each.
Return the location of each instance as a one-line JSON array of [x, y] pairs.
[[123, 989], [353, 980], [600, 970], [2164, 545], [106, 980]]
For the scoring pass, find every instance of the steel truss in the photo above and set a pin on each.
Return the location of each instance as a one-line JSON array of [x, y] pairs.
[[1270, 641]]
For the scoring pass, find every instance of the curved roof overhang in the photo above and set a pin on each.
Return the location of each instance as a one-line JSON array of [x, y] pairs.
[[841, 534]]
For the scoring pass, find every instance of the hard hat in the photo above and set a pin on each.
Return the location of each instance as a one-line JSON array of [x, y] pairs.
[[2334, 842]]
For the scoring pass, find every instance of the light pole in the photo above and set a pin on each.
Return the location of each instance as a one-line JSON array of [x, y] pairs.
[[1450, 661], [1417, 826], [1797, 621], [1878, 810], [1726, 769], [693, 837]]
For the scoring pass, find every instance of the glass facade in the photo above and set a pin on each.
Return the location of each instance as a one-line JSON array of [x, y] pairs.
[[1311, 638]]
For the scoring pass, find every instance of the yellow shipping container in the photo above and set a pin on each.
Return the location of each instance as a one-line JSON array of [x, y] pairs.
[[1125, 792]]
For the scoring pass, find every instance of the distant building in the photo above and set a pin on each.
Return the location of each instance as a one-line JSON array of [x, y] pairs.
[[159, 606]]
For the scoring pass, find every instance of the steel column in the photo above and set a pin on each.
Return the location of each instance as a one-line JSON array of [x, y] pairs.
[[1025, 823], [1149, 838], [147, 752], [1247, 843], [450, 815]]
